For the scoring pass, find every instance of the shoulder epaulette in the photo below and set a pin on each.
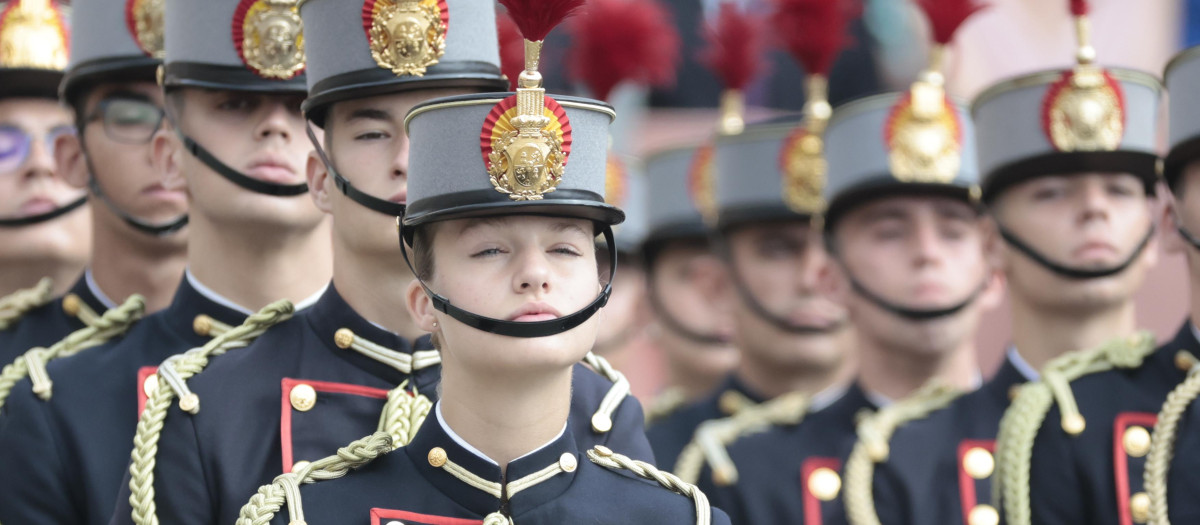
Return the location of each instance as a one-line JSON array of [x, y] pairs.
[[113, 323], [15, 305], [712, 437], [665, 404], [602, 419], [1020, 424], [1162, 451], [606, 458], [874, 432]]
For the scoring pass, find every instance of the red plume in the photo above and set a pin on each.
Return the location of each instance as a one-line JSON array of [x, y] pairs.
[[946, 15], [814, 31], [735, 45], [512, 49], [535, 18], [1079, 7], [622, 40]]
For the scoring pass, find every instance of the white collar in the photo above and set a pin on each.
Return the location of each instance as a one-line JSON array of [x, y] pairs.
[[821, 400], [1195, 331], [96, 291], [437, 409], [877, 399], [215, 297], [1022, 366]]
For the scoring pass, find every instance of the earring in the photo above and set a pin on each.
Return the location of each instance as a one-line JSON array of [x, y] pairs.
[[435, 324]]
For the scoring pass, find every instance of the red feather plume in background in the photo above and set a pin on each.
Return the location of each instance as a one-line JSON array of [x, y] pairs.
[[512, 49], [814, 31], [535, 18], [945, 16], [1079, 7], [735, 46], [615, 41]]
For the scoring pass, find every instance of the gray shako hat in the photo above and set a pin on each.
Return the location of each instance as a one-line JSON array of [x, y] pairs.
[[625, 188], [33, 47], [763, 174], [1182, 77], [680, 183], [122, 41], [363, 48]]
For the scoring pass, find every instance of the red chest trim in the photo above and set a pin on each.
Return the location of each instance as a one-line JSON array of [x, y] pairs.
[[144, 373], [966, 484], [411, 518], [812, 504], [285, 419], [1122, 423]]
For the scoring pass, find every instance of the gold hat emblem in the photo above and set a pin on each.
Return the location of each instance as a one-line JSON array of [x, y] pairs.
[[924, 136], [407, 36], [525, 149], [804, 171], [145, 21], [33, 35], [269, 36], [1085, 111]]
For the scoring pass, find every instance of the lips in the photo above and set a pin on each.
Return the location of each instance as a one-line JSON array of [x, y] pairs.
[[1095, 249], [400, 198], [37, 206], [534, 312], [272, 170]]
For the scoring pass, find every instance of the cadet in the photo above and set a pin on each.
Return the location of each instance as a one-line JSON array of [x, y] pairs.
[[903, 226], [503, 247], [1085, 235], [233, 98], [41, 232]]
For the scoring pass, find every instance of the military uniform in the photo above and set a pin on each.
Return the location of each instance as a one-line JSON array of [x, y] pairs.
[[49, 323], [670, 434]]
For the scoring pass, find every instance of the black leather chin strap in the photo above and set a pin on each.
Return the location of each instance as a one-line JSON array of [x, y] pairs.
[[515, 328], [43, 217], [156, 230], [1066, 271], [343, 185], [1187, 235], [761, 311], [914, 314], [236, 177], [663, 314]]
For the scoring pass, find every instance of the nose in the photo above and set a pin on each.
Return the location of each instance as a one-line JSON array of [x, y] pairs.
[[400, 165], [278, 121], [40, 162], [927, 242], [533, 275], [1095, 199]]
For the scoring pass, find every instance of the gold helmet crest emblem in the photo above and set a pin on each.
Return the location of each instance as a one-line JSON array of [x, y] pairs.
[[269, 36], [406, 36]]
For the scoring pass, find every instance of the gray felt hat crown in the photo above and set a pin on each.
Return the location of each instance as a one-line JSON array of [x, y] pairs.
[[861, 158], [33, 47], [679, 182], [360, 48], [1182, 77], [241, 45], [453, 140], [626, 189], [122, 41], [1014, 126], [756, 180]]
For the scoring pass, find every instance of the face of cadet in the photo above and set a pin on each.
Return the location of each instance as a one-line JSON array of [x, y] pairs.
[[31, 185], [367, 144], [260, 135], [1089, 221], [515, 268], [920, 252], [1183, 210], [784, 266], [686, 280], [626, 314], [120, 121]]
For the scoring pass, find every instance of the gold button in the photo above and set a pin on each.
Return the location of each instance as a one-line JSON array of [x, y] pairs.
[[150, 385], [603, 451], [190, 403], [299, 465], [730, 402], [343, 338], [824, 484], [202, 325], [978, 463], [1184, 360], [1013, 391], [1074, 424], [303, 397], [723, 477], [1139, 507], [437, 457], [601, 423], [983, 515], [71, 304], [1136, 441], [568, 462]]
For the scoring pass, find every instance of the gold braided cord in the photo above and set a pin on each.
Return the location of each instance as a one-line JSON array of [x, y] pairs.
[[285, 488], [874, 433], [1020, 424], [176, 369], [404, 363], [14, 306], [403, 414], [1162, 449], [602, 419], [113, 323], [606, 458], [712, 437], [664, 404]]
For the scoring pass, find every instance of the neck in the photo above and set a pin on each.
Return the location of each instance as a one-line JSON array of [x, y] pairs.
[[19, 275], [694, 386], [1041, 334], [129, 262], [505, 417], [897, 372], [770, 380], [375, 287], [253, 270]]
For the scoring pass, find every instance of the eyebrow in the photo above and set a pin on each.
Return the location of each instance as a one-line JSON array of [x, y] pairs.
[[557, 227], [124, 94], [369, 114]]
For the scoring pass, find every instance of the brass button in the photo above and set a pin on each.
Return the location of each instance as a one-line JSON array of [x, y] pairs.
[[1139, 507], [1013, 391], [343, 338], [603, 451], [978, 463], [723, 477], [824, 484], [299, 465], [1136, 441], [1184, 360], [601, 423], [983, 515], [71, 304], [437, 457], [150, 385], [1074, 424], [190, 403], [202, 325], [730, 402], [568, 462], [303, 397]]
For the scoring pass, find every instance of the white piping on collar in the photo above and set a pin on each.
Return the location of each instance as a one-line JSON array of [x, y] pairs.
[[215, 297], [437, 409], [90, 281], [1022, 366]]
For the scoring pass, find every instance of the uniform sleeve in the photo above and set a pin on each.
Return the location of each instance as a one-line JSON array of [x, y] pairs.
[[629, 431], [33, 472], [1055, 488], [181, 491], [723, 498]]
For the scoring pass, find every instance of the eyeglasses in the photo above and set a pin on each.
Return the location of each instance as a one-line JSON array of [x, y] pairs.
[[128, 121], [17, 143]]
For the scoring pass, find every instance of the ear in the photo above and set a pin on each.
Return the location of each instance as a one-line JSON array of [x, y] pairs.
[[1168, 227], [68, 156], [168, 158], [318, 177], [420, 307]]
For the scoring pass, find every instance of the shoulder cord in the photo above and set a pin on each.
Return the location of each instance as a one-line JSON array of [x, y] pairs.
[[174, 371], [713, 436], [403, 362], [874, 433], [606, 458], [1020, 424], [15, 305], [403, 414], [1162, 450], [602, 419], [285, 489], [664, 404], [113, 323]]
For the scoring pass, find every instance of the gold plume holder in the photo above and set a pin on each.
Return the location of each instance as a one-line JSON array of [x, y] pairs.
[[924, 136], [805, 169], [31, 36], [1086, 112], [733, 109], [529, 162]]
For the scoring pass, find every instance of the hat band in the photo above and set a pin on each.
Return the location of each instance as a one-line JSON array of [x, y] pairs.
[[755, 213], [233, 78], [43, 217], [236, 177], [471, 200], [343, 184], [1067, 271], [1144, 165]]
